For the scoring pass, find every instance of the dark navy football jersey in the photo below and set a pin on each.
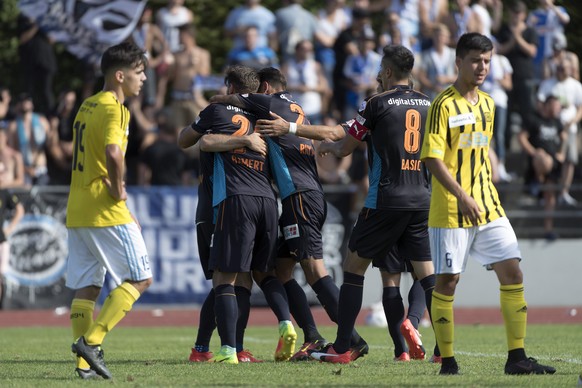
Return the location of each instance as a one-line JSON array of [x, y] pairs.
[[240, 171], [292, 157], [204, 211], [392, 124]]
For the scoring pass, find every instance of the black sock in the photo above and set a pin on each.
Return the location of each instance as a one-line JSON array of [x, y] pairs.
[[207, 324], [516, 355], [416, 303], [226, 311], [301, 311], [243, 301], [394, 311], [448, 361], [350, 303], [276, 297], [427, 284], [328, 295]]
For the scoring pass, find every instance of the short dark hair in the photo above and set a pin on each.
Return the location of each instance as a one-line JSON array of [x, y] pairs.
[[123, 55], [273, 76], [399, 59], [243, 78], [473, 41]]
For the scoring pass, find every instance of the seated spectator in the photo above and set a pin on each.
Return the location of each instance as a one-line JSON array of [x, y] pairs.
[[252, 13], [164, 163], [170, 18], [559, 54], [59, 143], [251, 54], [293, 24], [306, 81], [11, 163], [542, 139], [28, 133]]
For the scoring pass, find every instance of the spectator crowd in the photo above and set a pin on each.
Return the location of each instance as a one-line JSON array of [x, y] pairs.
[[330, 58]]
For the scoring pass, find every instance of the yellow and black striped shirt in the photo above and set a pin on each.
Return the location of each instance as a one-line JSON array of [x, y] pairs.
[[459, 134], [101, 120]]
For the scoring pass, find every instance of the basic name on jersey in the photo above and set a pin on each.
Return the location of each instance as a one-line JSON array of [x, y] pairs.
[[408, 101], [411, 165], [250, 163]]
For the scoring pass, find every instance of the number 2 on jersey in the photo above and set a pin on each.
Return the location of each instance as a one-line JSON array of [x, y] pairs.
[[244, 124], [295, 108], [78, 146], [412, 133]]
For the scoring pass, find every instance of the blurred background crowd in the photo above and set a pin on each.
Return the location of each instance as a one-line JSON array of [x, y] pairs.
[[329, 50]]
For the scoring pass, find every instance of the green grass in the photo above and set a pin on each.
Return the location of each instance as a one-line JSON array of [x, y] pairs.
[[144, 357]]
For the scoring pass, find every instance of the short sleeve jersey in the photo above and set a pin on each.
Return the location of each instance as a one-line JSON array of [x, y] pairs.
[[240, 171], [459, 134], [100, 121], [292, 157], [392, 124]]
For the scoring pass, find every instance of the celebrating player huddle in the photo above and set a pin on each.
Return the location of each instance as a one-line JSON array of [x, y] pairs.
[[429, 226]]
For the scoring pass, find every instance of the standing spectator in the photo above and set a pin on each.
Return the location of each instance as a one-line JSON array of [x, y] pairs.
[[546, 20], [5, 99], [542, 139], [497, 84], [569, 92], [251, 54], [170, 18], [251, 13], [461, 20], [437, 69], [38, 64], [489, 14], [360, 71], [559, 54], [431, 13], [408, 22], [11, 163], [149, 37], [59, 143], [163, 163], [466, 217], [190, 62], [28, 134], [8, 202], [306, 81], [104, 237], [293, 24], [518, 43]]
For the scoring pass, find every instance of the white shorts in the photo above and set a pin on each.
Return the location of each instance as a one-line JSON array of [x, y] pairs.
[[118, 250], [488, 244]]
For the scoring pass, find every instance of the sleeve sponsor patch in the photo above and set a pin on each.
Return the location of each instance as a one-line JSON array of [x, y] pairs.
[[291, 231]]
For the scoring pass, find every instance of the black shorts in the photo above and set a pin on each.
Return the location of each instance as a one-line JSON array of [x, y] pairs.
[[378, 231], [245, 235], [300, 223], [393, 263], [204, 231]]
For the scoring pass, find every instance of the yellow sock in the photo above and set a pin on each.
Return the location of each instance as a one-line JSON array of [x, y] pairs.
[[514, 310], [117, 304], [81, 319], [443, 322]]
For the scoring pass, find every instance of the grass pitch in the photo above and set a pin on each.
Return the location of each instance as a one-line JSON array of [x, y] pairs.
[[157, 357]]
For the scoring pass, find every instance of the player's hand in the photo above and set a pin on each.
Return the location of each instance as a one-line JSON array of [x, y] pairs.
[[119, 195], [325, 147], [470, 209], [257, 143], [277, 127]]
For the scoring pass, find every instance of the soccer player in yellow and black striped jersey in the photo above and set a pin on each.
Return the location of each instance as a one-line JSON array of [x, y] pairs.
[[103, 235], [465, 216]]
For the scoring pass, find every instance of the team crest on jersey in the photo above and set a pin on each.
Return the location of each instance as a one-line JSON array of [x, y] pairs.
[[488, 116], [291, 231]]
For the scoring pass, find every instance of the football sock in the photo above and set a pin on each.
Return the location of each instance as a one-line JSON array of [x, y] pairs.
[[276, 297], [350, 303], [443, 322], [301, 311], [207, 324], [243, 301], [226, 311], [416, 304], [118, 303], [427, 284], [514, 310], [328, 295], [394, 311], [81, 320]]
